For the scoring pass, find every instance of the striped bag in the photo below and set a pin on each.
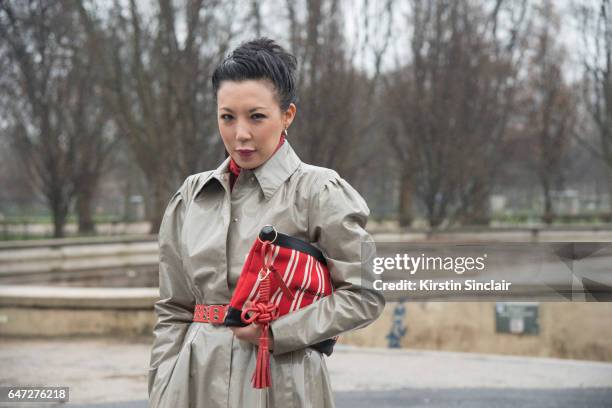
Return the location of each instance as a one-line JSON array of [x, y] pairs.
[[281, 274]]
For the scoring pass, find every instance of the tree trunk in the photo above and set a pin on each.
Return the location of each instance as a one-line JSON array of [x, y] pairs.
[[548, 212], [405, 197], [475, 208], [84, 210], [478, 210], [435, 220], [609, 188], [59, 212], [435, 214]]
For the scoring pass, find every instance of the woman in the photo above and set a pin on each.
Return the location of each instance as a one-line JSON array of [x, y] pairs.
[[208, 228]]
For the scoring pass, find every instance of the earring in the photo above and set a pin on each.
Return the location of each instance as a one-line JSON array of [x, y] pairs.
[[285, 133]]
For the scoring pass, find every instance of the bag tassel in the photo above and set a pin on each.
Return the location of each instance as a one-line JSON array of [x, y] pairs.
[[262, 313]]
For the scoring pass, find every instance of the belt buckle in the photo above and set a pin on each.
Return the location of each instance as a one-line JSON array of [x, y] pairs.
[[216, 313]]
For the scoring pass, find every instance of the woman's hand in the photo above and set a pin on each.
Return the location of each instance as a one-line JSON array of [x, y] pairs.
[[251, 333]]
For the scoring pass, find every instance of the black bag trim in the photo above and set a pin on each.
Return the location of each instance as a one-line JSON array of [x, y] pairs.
[[287, 241]]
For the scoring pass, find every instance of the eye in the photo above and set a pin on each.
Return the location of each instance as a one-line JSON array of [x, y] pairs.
[[258, 116], [226, 117]]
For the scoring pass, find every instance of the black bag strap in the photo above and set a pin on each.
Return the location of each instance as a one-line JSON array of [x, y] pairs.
[[269, 233]]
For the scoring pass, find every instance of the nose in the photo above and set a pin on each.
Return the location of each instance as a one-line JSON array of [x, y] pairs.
[[242, 133]]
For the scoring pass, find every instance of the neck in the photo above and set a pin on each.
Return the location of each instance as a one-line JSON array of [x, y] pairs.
[[235, 169]]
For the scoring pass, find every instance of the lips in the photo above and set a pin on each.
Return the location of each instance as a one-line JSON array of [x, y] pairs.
[[245, 153]]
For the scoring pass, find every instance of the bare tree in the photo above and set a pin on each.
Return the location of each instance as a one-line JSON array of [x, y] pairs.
[[336, 99], [595, 20], [55, 123], [451, 105], [550, 107], [157, 83]]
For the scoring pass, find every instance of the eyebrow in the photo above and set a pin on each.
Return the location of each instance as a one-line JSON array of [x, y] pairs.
[[250, 110]]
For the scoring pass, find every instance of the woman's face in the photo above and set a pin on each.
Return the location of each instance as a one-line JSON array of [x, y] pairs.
[[250, 120]]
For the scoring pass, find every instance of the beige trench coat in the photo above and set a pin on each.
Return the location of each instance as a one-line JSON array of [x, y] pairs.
[[204, 238]]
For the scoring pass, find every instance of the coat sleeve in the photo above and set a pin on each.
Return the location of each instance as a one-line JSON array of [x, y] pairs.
[[337, 220], [174, 309]]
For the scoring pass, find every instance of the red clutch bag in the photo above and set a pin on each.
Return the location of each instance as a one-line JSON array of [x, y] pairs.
[[281, 274]]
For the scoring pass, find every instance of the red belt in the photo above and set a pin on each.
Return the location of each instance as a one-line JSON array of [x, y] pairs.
[[214, 314]]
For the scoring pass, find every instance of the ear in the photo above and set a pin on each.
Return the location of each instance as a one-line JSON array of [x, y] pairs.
[[289, 115]]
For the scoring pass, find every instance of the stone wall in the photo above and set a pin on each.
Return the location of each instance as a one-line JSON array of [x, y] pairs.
[[567, 330]]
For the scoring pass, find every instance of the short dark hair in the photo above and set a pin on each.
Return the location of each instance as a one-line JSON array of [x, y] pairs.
[[261, 58]]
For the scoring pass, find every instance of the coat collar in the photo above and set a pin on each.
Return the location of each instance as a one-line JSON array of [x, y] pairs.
[[270, 175]]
